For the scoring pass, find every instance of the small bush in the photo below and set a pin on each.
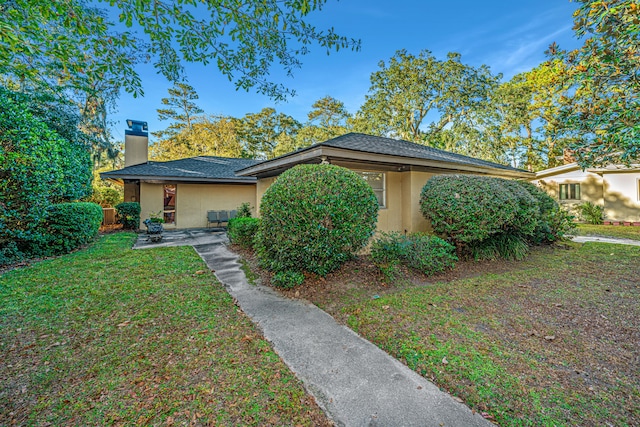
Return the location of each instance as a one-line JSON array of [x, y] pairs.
[[242, 231], [500, 246], [561, 223], [430, 254], [287, 279], [244, 210], [314, 218], [70, 225], [423, 252], [10, 254], [388, 251], [591, 213], [129, 215]]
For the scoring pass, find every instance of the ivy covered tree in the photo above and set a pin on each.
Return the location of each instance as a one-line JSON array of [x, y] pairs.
[[604, 113]]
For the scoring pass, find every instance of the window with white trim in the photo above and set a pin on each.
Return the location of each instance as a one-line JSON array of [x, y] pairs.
[[569, 191], [377, 181]]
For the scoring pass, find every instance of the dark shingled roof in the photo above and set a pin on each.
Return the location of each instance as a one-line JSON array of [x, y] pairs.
[[206, 168], [398, 147]]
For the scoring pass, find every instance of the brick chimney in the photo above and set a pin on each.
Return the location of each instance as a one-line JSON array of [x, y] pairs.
[[136, 143], [568, 156]]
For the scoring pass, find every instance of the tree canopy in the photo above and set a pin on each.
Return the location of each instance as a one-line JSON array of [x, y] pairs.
[[410, 89], [604, 112]]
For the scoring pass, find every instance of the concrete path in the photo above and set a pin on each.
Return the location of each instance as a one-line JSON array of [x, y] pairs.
[[584, 239], [355, 382], [190, 237]]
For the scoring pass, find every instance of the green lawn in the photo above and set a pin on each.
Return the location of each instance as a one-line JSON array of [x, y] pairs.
[[620, 231], [548, 341], [112, 336]]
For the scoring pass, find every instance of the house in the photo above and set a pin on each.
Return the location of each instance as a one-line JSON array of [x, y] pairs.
[[181, 191], [397, 170], [615, 187]]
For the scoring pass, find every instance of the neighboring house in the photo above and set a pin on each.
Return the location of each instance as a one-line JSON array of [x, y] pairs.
[[184, 190], [616, 188]]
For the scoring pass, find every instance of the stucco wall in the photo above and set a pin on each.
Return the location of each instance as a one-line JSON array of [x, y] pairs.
[[621, 196], [194, 200], [151, 201], [261, 187], [591, 187], [415, 220]]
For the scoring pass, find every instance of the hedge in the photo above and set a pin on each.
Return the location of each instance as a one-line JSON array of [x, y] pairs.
[[129, 215], [38, 167], [314, 218], [492, 217], [71, 225], [242, 230]]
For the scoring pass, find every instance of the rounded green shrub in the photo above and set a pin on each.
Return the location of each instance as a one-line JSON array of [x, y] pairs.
[[129, 215], [70, 225], [527, 212], [314, 218], [554, 222], [242, 230], [467, 208]]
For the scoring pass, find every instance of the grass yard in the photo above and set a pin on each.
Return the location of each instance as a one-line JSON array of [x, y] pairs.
[[619, 231], [552, 340], [112, 336]]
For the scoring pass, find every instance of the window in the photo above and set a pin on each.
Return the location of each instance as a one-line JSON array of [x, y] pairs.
[[569, 191], [377, 181], [169, 204]]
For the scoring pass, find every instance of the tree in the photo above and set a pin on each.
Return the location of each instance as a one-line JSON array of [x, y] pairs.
[[328, 119], [528, 110], [261, 132], [180, 108], [604, 114], [242, 39], [38, 167], [208, 136], [408, 89]]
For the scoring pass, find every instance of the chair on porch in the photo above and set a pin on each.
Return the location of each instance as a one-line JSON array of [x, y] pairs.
[[212, 216]]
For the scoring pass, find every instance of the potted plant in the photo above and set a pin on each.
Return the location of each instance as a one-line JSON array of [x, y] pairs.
[[154, 226]]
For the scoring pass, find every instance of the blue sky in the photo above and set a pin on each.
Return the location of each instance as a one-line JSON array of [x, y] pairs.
[[510, 36]]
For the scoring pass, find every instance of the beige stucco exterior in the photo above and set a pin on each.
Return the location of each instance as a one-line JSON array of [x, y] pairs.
[[622, 196], [194, 200], [614, 188]]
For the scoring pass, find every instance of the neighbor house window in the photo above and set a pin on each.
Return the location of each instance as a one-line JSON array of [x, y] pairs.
[[377, 181], [169, 204], [569, 191]]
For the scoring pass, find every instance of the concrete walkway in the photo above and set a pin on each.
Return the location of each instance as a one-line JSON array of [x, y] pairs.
[[584, 239], [355, 382]]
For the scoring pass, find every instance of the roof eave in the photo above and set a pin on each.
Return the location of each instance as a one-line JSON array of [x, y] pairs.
[[121, 177], [316, 152]]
